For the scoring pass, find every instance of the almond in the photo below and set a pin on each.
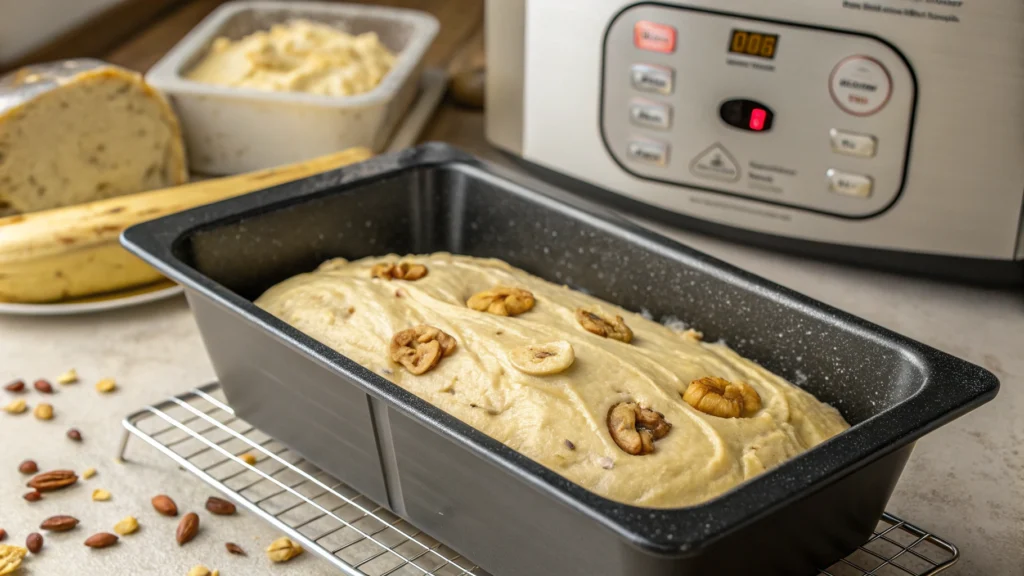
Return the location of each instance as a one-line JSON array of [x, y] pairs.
[[33, 496], [74, 434], [101, 540], [187, 528], [59, 523], [43, 386], [164, 505], [54, 480], [16, 386], [34, 542]]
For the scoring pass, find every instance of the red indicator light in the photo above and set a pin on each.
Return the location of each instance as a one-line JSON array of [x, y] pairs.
[[757, 116]]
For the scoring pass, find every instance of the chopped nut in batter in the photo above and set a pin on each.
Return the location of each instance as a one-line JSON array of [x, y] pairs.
[[420, 348], [400, 271], [502, 301], [719, 397], [543, 359], [635, 428], [614, 328]]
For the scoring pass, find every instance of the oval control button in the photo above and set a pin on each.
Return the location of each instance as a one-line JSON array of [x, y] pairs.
[[860, 85]]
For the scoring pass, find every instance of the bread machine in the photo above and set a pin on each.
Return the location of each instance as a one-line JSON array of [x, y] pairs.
[[888, 132]]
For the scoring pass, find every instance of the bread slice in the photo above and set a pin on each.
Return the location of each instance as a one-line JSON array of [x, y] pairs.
[[81, 130]]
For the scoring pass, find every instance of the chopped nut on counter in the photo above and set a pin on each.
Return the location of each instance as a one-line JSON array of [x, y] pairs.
[[28, 467], [719, 397], [421, 348], [69, 377], [283, 550], [44, 411], [607, 326], [88, 473], [16, 407], [635, 428], [502, 301], [401, 271], [235, 549], [543, 359], [3, 534], [60, 523], [15, 386], [33, 496], [11, 557], [43, 386], [219, 506], [100, 495], [74, 434], [106, 385], [248, 458], [202, 571], [126, 526]]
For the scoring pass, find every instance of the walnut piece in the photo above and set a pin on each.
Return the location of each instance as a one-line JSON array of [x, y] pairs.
[[635, 428], [421, 347], [543, 359], [11, 557], [502, 301], [283, 550], [400, 271], [614, 328], [719, 397]]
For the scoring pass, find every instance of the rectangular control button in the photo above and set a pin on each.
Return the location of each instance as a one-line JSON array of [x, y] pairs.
[[650, 78], [654, 37], [648, 151], [849, 184], [650, 114], [853, 144]]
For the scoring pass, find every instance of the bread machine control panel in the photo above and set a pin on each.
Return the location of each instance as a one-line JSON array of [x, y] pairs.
[[813, 118]]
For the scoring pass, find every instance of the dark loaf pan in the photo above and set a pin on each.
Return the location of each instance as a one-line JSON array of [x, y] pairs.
[[511, 515]]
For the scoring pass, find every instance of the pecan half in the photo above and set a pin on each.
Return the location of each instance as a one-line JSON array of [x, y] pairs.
[[421, 347], [502, 301], [543, 359], [219, 506], [610, 327], [53, 480], [719, 397], [635, 428], [400, 271]]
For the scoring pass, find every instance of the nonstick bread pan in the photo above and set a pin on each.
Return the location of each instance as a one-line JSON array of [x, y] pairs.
[[499, 508]]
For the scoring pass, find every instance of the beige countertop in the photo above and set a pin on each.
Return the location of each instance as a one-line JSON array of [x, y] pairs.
[[965, 481]]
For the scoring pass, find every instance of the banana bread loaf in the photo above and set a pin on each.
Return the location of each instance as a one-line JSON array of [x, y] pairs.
[[626, 407]]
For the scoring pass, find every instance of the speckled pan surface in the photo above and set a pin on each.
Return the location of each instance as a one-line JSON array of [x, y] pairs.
[[891, 389]]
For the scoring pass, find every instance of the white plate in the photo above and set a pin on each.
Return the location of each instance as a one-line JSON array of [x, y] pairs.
[[93, 304]]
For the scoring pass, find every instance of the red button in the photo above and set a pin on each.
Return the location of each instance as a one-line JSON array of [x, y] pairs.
[[654, 37]]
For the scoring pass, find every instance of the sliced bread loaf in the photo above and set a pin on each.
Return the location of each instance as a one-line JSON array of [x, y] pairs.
[[80, 130]]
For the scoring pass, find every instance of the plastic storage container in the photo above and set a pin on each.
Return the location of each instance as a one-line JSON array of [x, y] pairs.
[[504, 511], [231, 130]]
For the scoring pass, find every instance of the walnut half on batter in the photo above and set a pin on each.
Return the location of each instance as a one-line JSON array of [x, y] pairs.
[[421, 347], [635, 428], [719, 397]]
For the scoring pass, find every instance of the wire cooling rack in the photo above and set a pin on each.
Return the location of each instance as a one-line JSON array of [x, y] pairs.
[[201, 433]]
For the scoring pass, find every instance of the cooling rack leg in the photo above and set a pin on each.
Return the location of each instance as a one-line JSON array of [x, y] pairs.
[[125, 435]]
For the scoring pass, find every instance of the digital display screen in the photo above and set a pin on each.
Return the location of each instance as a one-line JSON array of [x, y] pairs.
[[751, 43]]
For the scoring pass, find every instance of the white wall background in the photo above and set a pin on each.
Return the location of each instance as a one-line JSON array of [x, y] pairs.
[[28, 24]]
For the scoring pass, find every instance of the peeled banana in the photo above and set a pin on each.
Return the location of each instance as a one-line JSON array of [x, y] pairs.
[[73, 251]]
